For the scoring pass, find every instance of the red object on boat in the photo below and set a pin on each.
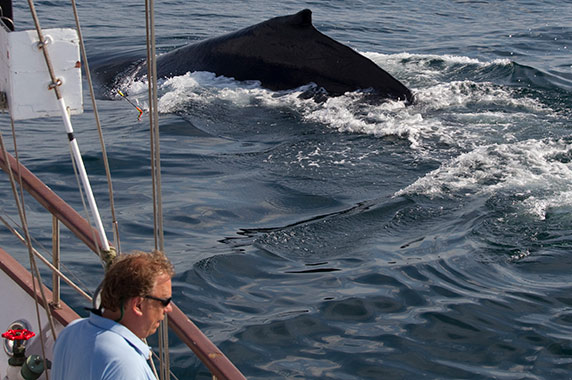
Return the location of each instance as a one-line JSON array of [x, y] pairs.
[[19, 334]]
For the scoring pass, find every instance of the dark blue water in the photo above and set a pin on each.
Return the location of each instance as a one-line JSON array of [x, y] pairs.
[[343, 239]]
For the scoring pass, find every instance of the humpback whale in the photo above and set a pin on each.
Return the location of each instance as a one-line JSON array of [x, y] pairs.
[[282, 53]]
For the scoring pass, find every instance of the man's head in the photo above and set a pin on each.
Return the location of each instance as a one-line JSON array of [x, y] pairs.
[[137, 287]]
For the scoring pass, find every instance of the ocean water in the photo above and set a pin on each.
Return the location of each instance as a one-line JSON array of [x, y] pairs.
[[344, 239]]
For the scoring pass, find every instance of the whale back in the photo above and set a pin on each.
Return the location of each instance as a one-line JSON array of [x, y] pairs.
[[283, 53]]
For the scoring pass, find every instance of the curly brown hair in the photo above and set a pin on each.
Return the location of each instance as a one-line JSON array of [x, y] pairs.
[[133, 275]]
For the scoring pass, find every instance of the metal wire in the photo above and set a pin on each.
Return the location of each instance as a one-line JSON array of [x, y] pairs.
[[19, 199], [46, 261], [69, 129], [99, 129], [156, 170]]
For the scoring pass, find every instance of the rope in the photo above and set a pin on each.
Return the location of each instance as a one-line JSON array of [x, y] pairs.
[[55, 83], [72, 283], [34, 269], [152, 363], [54, 87], [154, 127], [46, 261], [42, 44], [24, 221], [99, 129], [155, 159], [69, 129], [156, 169]]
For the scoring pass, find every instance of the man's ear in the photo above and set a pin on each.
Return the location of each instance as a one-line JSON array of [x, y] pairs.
[[135, 305]]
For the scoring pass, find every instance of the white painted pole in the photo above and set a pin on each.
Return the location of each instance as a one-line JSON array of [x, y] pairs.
[[42, 44], [83, 174]]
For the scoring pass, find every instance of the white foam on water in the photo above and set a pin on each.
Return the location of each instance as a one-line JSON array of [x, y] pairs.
[[446, 117], [443, 112], [429, 69], [199, 87], [481, 123], [388, 60], [539, 172], [465, 93]]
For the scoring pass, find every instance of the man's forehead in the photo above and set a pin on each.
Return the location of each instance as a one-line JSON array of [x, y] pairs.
[[160, 279]]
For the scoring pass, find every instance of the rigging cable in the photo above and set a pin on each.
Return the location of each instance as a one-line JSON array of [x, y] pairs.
[[47, 262], [154, 127], [156, 170], [99, 129], [69, 129], [19, 199]]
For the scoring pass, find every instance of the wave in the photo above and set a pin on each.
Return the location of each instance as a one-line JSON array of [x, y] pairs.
[[486, 132], [424, 69], [538, 174], [451, 109]]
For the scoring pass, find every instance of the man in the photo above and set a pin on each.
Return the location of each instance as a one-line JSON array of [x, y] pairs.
[[135, 295]]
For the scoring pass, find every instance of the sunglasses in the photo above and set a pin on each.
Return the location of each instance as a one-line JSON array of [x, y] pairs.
[[164, 301]]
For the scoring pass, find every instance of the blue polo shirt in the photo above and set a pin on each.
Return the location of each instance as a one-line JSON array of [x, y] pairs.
[[98, 348]]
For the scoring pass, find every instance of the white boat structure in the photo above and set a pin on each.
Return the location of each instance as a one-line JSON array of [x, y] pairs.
[[40, 76]]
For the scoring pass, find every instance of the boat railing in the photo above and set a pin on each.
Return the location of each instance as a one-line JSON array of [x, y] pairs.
[[205, 350]]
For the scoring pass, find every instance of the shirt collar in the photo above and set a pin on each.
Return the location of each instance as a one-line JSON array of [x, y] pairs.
[[118, 328]]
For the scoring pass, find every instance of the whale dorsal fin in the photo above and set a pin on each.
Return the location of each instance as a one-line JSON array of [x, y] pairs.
[[302, 18]]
